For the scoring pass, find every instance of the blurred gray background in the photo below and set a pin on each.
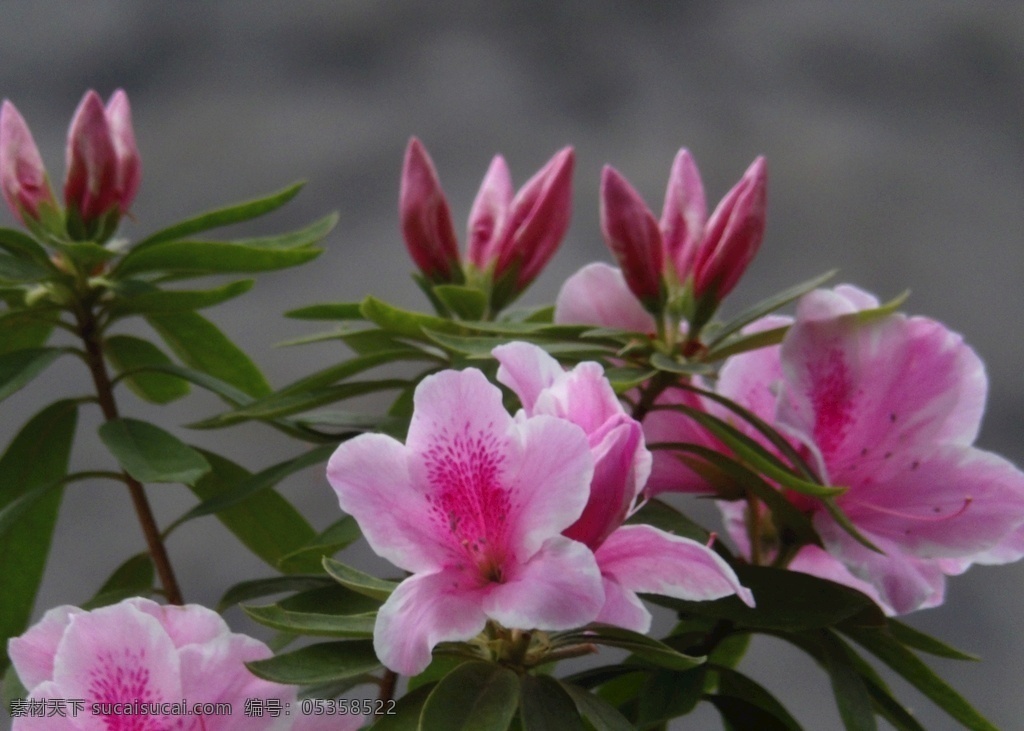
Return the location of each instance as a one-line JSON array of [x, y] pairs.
[[894, 134]]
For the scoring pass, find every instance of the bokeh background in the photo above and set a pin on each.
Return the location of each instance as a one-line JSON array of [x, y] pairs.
[[894, 134]]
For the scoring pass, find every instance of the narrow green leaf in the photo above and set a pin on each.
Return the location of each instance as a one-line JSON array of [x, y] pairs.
[[466, 303], [665, 517], [641, 646], [544, 705], [745, 343], [150, 454], [265, 522], [21, 366], [21, 271], [321, 663], [739, 714], [480, 346], [158, 301], [36, 458], [891, 709], [910, 637], [407, 711], [476, 696], [201, 345], [670, 365], [198, 258], [85, 256], [226, 391], [328, 311], [255, 588], [132, 578], [333, 599], [852, 698], [903, 661], [602, 715], [223, 216], [127, 353], [335, 537], [298, 239], [347, 369], [735, 685], [356, 580], [404, 323], [25, 329], [308, 623], [24, 247]]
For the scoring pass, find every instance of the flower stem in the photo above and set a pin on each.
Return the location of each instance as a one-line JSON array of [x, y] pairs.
[[90, 335], [388, 683]]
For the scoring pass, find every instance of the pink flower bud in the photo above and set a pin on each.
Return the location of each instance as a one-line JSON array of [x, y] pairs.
[[733, 234], [426, 220], [684, 214], [633, 236], [537, 221], [22, 175], [488, 215], [102, 158]]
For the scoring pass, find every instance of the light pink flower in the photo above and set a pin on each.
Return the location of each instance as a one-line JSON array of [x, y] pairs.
[[633, 559], [889, 409], [103, 162], [473, 504], [511, 236], [138, 652], [22, 175]]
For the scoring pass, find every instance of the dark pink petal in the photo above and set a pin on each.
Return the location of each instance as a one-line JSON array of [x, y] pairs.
[[598, 295], [559, 588], [370, 475], [537, 221], [668, 472], [733, 234], [122, 134], [22, 175], [32, 653], [646, 560], [487, 217], [426, 221], [91, 182], [633, 236], [684, 214], [527, 370], [426, 609]]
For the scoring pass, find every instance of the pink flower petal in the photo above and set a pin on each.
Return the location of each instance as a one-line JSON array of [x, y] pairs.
[[487, 217], [91, 179], [683, 215], [558, 588], [187, 625], [527, 370], [668, 472], [623, 608], [426, 221], [633, 236], [81, 720], [598, 295], [22, 174], [643, 559], [122, 134], [426, 609], [32, 653], [583, 396]]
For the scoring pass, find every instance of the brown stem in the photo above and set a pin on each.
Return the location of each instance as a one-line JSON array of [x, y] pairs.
[[87, 331], [658, 383], [388, 681]]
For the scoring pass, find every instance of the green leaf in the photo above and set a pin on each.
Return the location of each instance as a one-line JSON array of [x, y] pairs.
[[21, 366], [767, 306], [308, 623], [644, 648], [667, 694], [201, 345], [127, 353], [298, 239], [544, 705], [602, 715], [321, 663], [663, 516], [36, 458], [440, 666], [358, 581], [852, 698], [910, 637], [21, 271], [265, 522], [480, 346], [404, 323], [745, 343], [226, 391], [132, 578], [157, 301], [333, 599], [407, 711], [24, 247], [243, 490], [670, 365], [740, 714], [328, 311], [787, 601], [223, 216], [476, 696], [199, 258], [334, 538], [85, 256], [735, 685], [25, 329], [903, 661], [150, 454], [254, 588], [466, 303]]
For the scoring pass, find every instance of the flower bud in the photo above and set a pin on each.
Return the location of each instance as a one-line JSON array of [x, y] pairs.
[[733, 235], [425, 218], [633, 236], [488, 215], [22, 175], [103, 161], [683, 215]]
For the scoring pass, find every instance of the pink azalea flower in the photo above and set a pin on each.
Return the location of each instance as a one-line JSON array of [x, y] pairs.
[[22, 175], [139, 652], [473, 504], [512, 236], [889, 409], [633, 559]]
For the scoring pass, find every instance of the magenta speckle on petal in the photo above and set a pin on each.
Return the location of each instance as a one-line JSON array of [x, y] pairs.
[[122, 677], [831, 400], [470, 502]]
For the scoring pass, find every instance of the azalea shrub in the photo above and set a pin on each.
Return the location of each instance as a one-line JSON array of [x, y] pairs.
[[528, 478]]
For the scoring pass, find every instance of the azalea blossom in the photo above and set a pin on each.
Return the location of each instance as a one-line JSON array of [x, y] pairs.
[[126, 661], [636, 558], [473, 505], [22, 175], [887, 408], [511, 237]]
